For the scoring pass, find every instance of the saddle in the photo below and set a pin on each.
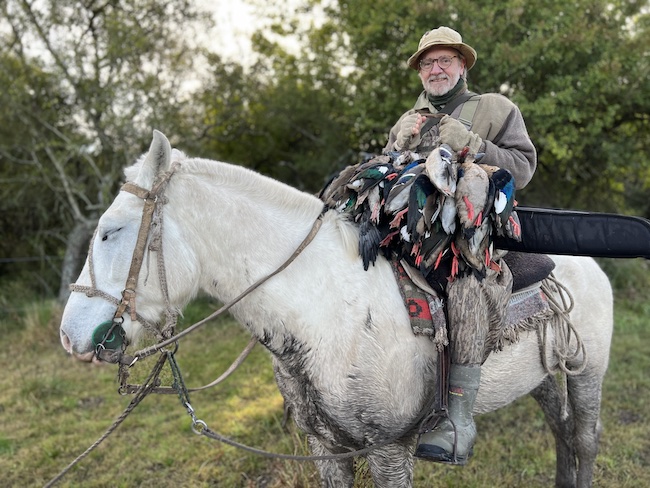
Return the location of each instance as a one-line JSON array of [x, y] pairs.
[[526, 269]]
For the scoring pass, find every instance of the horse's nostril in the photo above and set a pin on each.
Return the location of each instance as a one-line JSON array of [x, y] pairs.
[[65, 342], [67, 345]]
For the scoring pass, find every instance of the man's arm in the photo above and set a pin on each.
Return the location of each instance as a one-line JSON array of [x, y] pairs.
[[506, 142]]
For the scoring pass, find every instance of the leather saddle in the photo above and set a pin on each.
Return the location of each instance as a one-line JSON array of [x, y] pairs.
[[526, 268]]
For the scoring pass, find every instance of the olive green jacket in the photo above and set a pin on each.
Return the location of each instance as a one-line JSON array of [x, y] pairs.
[[498, 122]]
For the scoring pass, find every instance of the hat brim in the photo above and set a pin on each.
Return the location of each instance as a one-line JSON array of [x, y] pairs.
[[466, 51]]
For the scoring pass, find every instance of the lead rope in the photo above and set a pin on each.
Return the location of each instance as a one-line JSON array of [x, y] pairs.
[[142, 392], [126, 389], [199, 427]]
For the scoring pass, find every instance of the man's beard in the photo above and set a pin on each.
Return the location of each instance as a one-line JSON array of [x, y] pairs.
[[439, 88]]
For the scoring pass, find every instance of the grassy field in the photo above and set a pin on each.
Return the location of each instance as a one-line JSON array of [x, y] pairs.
[[52, 408]]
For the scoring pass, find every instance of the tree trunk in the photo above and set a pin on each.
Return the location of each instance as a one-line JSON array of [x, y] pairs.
[[75, 256]]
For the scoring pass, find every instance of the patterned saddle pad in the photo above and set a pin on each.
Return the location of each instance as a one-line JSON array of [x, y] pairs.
[[527, 309]]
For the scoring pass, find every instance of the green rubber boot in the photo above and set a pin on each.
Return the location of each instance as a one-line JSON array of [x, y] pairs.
[[444, 443]]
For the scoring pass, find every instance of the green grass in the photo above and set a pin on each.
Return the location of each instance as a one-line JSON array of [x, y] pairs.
[[53, 407]]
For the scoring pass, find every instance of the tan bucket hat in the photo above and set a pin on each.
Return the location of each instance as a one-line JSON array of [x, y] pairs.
[[446, 37]]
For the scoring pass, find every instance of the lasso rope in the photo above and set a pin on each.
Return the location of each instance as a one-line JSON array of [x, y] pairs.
[[561, 303]]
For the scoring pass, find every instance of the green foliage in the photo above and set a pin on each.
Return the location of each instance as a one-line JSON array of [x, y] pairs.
[[291, 127], [30, 96], [83, 85], [578, 72]]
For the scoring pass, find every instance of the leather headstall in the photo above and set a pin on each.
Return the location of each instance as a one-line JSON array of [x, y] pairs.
[[151, 198]]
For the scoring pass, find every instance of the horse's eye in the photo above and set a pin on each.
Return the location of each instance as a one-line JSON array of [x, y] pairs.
[[109, 233]]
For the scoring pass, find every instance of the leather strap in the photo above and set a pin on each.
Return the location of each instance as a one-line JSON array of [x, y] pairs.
[[447, 109]]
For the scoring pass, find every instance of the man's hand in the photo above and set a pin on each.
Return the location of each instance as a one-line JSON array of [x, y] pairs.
[[408, 136], [454, 133]]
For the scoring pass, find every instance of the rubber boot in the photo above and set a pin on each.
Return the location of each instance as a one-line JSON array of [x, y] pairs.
[[452, 438]]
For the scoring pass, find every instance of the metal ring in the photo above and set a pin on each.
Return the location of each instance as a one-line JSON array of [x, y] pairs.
[[202, 429]]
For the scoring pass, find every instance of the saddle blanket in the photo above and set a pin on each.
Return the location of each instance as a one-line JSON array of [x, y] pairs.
[[527, 309]]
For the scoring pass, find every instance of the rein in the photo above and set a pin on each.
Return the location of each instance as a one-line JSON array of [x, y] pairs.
[[312, 233]]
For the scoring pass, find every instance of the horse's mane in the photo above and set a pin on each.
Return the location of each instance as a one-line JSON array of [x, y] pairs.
[[239, 177], [256, 185]]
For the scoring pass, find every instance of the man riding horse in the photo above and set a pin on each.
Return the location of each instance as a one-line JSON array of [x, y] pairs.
[[492, 125]]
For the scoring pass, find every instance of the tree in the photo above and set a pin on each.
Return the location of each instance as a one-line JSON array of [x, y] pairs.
[[88, 80], [286, 119], [578, 72]]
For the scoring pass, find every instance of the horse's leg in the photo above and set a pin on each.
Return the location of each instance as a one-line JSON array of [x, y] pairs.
[[391, 466], [333, 474], [548, 396], [585, 392]]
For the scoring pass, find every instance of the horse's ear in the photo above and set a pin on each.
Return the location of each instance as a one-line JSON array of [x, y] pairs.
[[158, 159]]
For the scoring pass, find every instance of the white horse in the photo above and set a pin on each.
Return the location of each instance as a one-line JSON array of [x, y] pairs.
[[346, 359]]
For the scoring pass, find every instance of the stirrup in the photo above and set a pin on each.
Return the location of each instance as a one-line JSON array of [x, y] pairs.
[[434, 453]]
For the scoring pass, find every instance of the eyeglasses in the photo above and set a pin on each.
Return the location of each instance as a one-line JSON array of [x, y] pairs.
[[443, 61]]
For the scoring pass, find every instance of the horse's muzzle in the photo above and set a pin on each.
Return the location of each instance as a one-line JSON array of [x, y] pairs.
[[88, 357]]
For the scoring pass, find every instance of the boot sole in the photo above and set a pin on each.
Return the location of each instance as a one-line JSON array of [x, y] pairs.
[[438, 455]]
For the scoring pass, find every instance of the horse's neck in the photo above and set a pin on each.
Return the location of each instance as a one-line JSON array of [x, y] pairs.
[[240, 225], [322, 306]]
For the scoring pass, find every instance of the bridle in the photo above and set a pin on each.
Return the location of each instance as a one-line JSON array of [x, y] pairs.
[[150, 231]]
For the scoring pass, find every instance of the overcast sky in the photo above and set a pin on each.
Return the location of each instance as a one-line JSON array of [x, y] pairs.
[[235, 22]]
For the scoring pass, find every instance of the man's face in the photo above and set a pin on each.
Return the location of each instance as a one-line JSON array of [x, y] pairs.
[[437, 80]]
